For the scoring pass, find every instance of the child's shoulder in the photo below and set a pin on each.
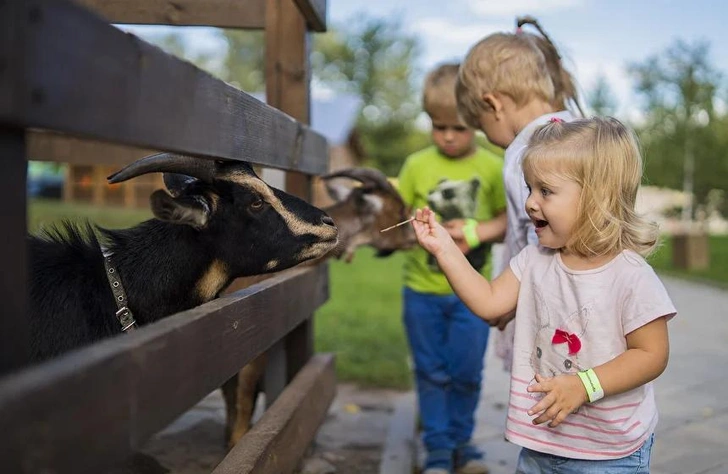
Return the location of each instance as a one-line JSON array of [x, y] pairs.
[[634, 270], [426, 154]]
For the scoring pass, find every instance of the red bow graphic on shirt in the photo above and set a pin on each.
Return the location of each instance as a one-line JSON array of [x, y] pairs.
[[571, 339]]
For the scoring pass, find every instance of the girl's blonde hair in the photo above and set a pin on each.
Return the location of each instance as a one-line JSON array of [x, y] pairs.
[[603, 156], [521, 65]]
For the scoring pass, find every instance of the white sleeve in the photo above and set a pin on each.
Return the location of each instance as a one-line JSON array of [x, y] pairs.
[[519, 263]]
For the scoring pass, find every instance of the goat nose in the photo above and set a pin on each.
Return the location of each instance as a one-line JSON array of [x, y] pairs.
[[327, 220]]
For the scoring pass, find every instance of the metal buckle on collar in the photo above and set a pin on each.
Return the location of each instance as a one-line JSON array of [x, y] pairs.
[[125, 318]]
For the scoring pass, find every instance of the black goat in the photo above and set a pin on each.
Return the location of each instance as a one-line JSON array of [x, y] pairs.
[[220, 222]]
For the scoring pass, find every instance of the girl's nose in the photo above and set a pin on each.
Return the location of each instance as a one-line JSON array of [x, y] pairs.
[[531, 204]]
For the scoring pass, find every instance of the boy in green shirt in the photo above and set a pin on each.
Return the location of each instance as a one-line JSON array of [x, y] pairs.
[[463, 184]]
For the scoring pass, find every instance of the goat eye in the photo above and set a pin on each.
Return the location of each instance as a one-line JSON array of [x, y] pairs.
[[257, 205]]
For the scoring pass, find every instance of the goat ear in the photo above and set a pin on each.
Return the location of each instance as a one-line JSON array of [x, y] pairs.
[[176, 183], [191, 210], [338, 192], [371, 203]]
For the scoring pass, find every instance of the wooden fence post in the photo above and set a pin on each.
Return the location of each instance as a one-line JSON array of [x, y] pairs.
[[14, 336], [287, 82]]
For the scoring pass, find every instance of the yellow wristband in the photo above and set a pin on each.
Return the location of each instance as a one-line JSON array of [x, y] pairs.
[[470, 233], [591, 383]]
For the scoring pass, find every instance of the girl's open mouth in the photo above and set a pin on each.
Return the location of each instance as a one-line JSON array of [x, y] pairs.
[[540, 223]]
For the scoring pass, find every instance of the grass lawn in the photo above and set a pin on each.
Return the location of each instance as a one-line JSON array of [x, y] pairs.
[[362, 321], [717, 274], [42, 212]]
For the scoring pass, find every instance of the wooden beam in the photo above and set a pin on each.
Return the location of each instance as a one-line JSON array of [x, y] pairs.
[[14, 335], [287, 72], [248, 14], [71, 72], [314, 12], [88, 409], [278, 441], [245, 14], [288, 88]]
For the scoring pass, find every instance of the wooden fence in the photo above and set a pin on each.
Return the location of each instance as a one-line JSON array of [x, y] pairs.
[[67, 77]]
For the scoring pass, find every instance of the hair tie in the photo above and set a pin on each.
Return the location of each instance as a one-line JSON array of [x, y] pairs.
[[556, 120], [519, 30]]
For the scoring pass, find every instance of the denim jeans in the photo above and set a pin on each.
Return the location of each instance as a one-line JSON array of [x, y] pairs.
[[533, 462], [448, 344]]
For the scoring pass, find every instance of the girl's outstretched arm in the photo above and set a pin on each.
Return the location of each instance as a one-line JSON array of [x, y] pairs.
[[644, 360], [487, 300]]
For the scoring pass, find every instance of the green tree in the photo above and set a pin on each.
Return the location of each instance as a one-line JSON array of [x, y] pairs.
[[601, 99], [682, 133], [244, 62], [373, 58]]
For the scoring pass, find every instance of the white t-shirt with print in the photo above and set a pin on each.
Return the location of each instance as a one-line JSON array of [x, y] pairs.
[[570, 320]]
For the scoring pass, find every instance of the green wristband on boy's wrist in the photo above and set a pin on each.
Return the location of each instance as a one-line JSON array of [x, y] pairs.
[[470, 232]]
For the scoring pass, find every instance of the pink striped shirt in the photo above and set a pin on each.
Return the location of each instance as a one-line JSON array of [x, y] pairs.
[[599, 307]]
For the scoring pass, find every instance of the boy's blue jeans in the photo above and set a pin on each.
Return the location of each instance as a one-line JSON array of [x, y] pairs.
[[448, 344]]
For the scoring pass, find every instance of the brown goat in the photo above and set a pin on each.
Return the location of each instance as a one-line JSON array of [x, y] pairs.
[[359, 213]]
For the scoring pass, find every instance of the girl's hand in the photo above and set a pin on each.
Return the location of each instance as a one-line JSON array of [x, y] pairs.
[[431, 235], [564, 394], [454, 227]]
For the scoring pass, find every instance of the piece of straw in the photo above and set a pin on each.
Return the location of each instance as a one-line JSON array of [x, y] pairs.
[[397, 225]]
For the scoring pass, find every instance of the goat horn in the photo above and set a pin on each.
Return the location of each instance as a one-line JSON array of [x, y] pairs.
[[365, 176], [199, 168]]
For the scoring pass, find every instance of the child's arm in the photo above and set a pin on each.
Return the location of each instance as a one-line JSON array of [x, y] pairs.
[[487, 300], [643, 361]]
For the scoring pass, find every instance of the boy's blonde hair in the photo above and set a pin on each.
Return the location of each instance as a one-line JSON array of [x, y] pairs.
[[522, 66], [603, 156], [438, 95]]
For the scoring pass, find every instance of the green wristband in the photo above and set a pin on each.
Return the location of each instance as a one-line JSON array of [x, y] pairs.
[[470, 233], [592, 385]]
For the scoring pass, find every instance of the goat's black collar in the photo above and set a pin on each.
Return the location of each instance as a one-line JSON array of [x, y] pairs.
[[123, 314]]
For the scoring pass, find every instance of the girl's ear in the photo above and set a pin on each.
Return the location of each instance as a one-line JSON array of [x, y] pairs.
[[495, 103]]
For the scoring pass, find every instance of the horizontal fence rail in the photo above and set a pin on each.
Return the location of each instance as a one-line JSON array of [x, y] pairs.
[[89, 408], [221, 13], [279, 439], [69, 71]]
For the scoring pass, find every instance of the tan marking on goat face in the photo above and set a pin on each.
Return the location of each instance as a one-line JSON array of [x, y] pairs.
[[212, 281], [296, 225]]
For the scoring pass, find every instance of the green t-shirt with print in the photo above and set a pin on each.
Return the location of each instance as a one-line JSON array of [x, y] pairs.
[[462, 188]]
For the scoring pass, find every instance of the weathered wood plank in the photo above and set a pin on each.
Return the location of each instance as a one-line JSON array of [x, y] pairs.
[[314, 11], [279, 439], [14, 342], [220, 13], [71, 72], [92, 407]]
